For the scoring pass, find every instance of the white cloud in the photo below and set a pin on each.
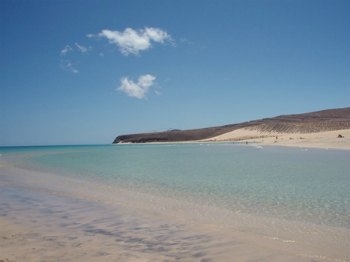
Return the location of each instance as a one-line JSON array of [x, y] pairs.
[[139, 89], [66, 50], [81, 48], [132, 41], [156, 34]]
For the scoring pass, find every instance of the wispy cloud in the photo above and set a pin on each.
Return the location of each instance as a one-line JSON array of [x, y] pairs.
[[67, 53], [66, 50], [81, 48], [69, 67], [186, 41], [131, 41], [138, 89]]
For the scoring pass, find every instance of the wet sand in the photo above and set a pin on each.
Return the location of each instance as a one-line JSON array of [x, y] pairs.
[[46, 217]]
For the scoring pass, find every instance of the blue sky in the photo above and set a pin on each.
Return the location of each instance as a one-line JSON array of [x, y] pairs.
[[81, 72]]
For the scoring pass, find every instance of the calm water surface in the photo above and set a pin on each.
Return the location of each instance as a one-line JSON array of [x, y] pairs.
[[291, 183]]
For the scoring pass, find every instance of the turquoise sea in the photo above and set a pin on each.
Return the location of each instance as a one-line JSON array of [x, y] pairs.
[[309, 185]]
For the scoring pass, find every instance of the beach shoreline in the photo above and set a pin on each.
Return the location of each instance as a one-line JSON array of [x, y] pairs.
[[226, 234], [318, 140]]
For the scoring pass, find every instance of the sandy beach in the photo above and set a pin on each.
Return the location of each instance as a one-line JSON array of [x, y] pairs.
[[45, 217], [174, 131], [324, 139]]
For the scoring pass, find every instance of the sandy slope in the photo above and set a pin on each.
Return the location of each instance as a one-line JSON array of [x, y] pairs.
[[324, 139]]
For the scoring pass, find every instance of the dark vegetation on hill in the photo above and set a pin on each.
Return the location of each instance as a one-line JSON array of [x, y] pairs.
[[325, 120]]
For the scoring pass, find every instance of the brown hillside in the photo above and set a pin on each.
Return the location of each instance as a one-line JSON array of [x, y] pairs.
[[325, 120]]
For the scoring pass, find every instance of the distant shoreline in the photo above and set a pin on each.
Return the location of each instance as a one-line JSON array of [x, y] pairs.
[[283, 128], [320, 140], [338, 139]]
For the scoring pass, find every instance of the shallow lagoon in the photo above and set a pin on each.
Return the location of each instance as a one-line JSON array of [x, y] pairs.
[[191, 202], [292, 183]]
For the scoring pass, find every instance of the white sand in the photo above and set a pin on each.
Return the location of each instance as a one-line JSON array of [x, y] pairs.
[[324, 139]]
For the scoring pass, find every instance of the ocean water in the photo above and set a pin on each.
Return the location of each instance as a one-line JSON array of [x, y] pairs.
[[308, 185]]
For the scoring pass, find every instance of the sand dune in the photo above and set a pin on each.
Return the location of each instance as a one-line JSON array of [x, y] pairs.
[[323, 139]]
